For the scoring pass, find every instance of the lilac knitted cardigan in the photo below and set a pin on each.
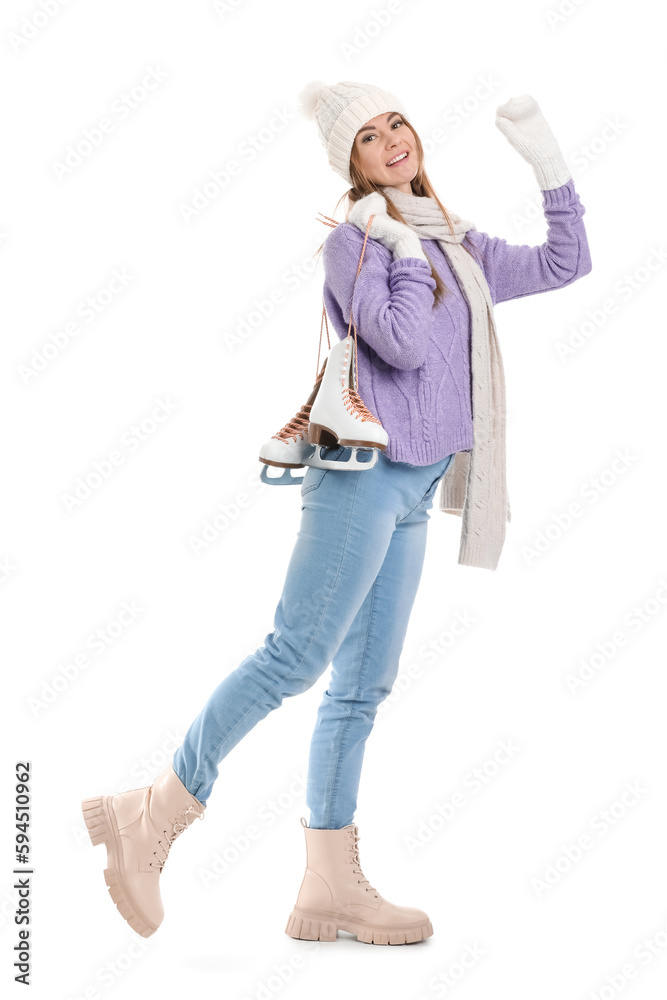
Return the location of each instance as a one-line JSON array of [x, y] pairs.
[[413, 360]]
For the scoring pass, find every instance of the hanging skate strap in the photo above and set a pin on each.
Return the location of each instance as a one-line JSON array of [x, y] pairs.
[[333, 224], [319, 347], [363, 249]]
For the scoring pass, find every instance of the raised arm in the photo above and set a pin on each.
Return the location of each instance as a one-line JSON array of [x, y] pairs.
[[514, 270]]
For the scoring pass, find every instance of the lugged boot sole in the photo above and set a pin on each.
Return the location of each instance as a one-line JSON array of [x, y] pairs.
[[316, 926], [102, 829]]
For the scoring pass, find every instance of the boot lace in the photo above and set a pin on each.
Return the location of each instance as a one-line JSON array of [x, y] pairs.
[[354, 404], [164, 846], [354, 859], [297, 425]]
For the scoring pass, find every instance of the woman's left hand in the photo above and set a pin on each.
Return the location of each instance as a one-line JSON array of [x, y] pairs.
[[523, 125]]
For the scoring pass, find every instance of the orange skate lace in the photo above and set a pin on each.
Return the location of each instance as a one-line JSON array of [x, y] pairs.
[[355, 404], [353, 401], [352, 396], [298, 425]]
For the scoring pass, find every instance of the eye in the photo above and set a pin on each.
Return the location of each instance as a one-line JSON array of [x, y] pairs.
[[371, 134]]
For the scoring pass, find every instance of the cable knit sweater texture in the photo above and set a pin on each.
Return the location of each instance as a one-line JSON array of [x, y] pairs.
[[413, 360]]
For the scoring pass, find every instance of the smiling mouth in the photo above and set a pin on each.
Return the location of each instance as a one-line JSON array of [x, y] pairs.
[[402, 159]]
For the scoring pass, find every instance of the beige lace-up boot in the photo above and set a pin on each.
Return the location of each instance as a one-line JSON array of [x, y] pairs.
[[138, 828], [335, 895]]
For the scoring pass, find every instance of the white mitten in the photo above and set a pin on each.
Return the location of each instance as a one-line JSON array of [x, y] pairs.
[[523, 125], [399, 238]]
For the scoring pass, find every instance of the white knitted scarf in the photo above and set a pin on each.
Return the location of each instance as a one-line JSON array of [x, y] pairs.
[[474, 485]]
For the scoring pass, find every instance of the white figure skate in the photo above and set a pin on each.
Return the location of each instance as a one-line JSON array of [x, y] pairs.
[[338, 415], [333, 416], [341, 419], [289, 448]]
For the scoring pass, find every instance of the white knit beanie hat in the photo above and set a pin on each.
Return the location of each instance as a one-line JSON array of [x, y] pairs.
[[340, 111]]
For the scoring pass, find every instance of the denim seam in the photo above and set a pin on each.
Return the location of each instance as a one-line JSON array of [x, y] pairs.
[[433, 487], [314, 486], [345, 728], [298, 666]]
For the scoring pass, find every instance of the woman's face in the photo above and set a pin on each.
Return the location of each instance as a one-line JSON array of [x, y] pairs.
[[380, 141]]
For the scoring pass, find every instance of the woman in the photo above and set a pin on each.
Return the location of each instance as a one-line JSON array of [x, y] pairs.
[[429, 369]]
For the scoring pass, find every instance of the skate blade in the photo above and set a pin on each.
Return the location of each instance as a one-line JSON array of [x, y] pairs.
[[286, 479], [353, 463]]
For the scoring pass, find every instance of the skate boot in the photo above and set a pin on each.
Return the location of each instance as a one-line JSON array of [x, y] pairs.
[[290, 446], [334, 895], [138, 828], [335, 400], [338, 415], [342, 418]]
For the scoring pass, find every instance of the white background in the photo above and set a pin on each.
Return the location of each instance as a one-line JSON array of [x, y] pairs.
[[224, 71]]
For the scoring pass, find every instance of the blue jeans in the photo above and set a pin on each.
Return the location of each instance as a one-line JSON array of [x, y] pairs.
[[348, 594]]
